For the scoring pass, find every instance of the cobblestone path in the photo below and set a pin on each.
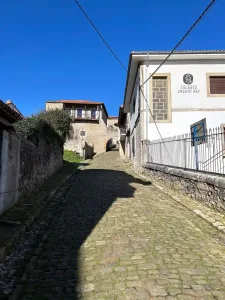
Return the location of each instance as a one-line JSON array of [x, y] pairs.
[[119, 237]]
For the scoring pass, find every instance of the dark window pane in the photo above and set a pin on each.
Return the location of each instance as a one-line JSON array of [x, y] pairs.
[[79, 112], [93, 113], [217, 84]]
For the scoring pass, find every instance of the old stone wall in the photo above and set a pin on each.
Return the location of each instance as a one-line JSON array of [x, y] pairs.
[[24, 166], [52, 106], [111, 121], [205, 187], [88, 151], [90, 132], [37, 164], [9, 169]]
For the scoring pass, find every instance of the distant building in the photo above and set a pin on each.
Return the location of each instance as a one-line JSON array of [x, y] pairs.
[[90, 124], [8, 115]]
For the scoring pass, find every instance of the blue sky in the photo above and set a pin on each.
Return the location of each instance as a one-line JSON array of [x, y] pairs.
[[49, 51]]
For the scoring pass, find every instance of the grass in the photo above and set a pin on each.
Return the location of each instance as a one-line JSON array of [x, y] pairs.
[[72, 157]]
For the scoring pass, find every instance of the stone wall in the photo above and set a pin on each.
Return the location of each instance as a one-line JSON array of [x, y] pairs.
[[205, 187], [53, 105], [88, 151], [9, 169], [111, 121], [37, 164], [96, 134], [24, 166]]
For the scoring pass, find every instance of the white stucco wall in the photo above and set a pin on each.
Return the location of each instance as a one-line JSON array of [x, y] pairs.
[[187, 108]]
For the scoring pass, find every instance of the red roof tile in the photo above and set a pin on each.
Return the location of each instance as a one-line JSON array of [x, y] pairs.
[[87, 102], [77, 101]]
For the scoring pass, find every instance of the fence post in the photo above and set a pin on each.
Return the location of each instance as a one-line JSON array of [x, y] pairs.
[[185, 153], [196, 147], [160, 153]]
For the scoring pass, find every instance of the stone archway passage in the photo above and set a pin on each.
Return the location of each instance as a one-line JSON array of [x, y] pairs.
[[112, 144]]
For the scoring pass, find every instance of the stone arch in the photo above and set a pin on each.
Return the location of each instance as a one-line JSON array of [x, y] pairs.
[[112, 144]]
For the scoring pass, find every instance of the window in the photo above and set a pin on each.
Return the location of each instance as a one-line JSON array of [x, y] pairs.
[[216, 85], [82, 133], [198, 132], [71, 112], [160, 98], [93, 113], [79, 113]]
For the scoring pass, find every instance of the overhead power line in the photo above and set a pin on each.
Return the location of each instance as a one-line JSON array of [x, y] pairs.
[[101, 37], [181, 41], [146, 100], [120, 62]]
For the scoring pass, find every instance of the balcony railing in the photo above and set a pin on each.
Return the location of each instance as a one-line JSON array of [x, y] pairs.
[[88, 115]]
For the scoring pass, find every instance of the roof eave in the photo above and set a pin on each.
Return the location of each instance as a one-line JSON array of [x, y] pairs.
[[154, 55]]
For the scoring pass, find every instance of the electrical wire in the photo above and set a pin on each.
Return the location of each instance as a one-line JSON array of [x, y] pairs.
[[168, 56], [181, 41], [102, 38]]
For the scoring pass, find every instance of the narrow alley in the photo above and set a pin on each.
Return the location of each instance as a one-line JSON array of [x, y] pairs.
[[119, 237]]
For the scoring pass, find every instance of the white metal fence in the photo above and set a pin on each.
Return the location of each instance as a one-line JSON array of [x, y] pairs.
[[205, 153]]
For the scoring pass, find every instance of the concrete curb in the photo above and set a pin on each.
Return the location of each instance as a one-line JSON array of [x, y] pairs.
[[218, 225], [22, 228]]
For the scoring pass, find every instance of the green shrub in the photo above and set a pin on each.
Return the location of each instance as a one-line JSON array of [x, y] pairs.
[[70, 156], [52, 126], [59, 120]]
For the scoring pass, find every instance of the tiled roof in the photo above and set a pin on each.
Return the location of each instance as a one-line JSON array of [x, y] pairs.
[[77, 101], [87, 102], [8, 113], [180, 52]]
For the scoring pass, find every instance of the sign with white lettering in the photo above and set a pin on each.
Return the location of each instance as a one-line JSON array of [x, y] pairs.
[[188, 87]]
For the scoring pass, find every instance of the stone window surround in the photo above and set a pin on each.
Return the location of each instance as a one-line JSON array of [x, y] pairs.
[[168, 75], [208, 75]]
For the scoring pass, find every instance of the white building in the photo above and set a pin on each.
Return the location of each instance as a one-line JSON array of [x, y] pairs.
[[188, 87]]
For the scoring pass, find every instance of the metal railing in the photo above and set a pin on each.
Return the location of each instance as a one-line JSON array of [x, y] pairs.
[[74, 114], [205, 153]]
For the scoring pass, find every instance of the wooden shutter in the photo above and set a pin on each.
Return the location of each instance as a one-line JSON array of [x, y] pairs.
[[217, 84]]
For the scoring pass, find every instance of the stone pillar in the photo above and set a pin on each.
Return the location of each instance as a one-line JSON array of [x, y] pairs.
[[145, 153]]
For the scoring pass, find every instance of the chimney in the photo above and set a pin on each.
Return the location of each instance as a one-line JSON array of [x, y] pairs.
[[8, 102]]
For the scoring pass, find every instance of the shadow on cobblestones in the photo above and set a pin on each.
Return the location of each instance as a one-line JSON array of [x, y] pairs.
[[57, 269]]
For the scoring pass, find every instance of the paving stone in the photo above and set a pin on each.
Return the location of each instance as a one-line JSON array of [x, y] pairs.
[[119, 237]]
